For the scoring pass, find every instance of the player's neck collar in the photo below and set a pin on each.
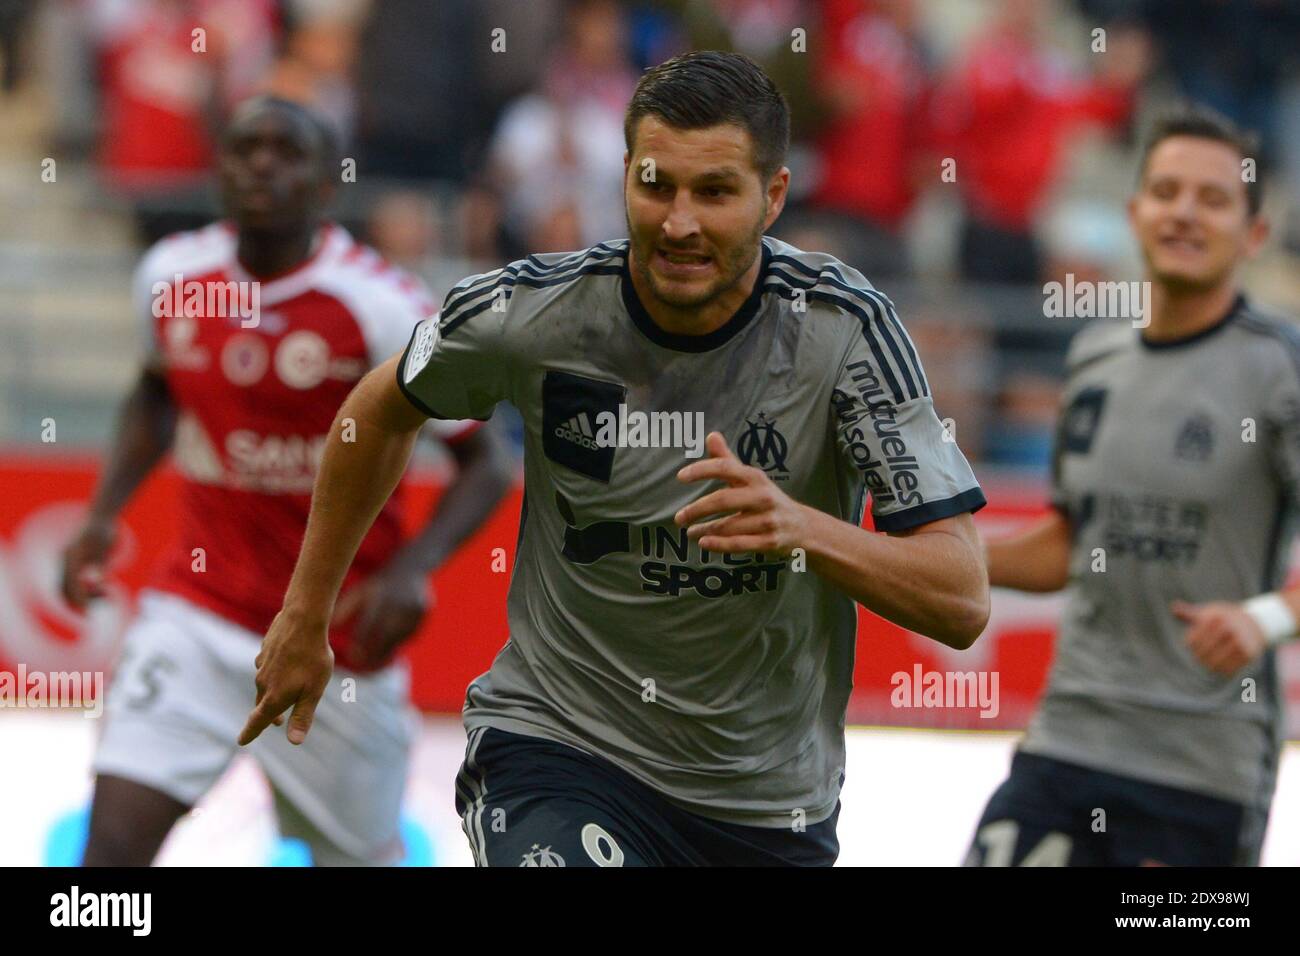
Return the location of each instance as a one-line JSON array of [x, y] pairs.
[[1238, 306], [322, 237], [693, 343]]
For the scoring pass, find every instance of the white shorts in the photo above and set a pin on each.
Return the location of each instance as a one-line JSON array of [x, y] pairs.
[[181, 693]]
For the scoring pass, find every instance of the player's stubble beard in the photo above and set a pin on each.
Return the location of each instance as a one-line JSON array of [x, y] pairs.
[[738, 260]]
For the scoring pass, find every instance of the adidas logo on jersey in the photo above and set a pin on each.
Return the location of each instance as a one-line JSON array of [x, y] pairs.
[[578, 430], [635, 429]]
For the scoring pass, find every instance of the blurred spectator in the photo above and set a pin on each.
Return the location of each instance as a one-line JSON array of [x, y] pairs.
[[1005, 115], [1023, 428], [763, 30], [655, 34], [479, 218], [529, 33], [406, 227], [164, 90], [1089, 240], [62, 54], [873, 78], [403, 228], [960, 364], [434, 76], [1230, 56], [557, 155], [1238, 59], [317, 66], [13, 21]]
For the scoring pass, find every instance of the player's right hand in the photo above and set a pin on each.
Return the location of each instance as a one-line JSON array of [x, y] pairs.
[[85, 561], [293, 669]]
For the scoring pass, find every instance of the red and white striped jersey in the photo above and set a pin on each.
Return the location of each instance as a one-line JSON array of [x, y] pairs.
[[257, 370]]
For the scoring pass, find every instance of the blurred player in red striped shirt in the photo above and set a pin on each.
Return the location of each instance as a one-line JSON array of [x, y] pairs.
[[257, 328]]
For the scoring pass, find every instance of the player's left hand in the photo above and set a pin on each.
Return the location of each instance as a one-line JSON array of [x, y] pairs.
[[1221, 634], [388, 607], [757, 515]]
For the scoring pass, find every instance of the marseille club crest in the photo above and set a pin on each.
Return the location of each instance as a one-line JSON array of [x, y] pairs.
[[542, 856], [764, 447], [1195, 440]]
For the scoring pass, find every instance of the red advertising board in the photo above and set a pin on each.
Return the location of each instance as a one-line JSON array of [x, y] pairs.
[[45, 496]]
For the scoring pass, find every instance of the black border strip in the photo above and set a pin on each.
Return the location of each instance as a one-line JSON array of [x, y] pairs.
[[694, 343], [971, 500]]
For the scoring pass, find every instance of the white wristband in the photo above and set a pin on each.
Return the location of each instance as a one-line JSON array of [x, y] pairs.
[[1274, 617]]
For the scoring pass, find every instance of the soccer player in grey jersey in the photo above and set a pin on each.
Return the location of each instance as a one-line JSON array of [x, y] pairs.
[[681, 627], [1174, 493]]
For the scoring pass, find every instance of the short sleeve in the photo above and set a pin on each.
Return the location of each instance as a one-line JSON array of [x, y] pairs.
[[1083, 402], [145, 292], [456, 365], [1283, 427], [888, 431], [156, 287], [390, 311]]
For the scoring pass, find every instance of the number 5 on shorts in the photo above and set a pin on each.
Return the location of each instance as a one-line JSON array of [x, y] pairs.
[[143, 684]]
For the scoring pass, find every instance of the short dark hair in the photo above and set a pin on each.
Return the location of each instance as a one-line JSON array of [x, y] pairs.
[[1205, 123], [709, 87], [327, 145]]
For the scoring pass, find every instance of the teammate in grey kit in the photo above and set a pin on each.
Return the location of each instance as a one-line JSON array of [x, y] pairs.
[[1175, 474], [681, 630]]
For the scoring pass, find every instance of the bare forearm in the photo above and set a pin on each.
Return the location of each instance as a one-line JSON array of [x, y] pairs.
[[932, 583], [1037, 559], [355, 478], [146, 425]]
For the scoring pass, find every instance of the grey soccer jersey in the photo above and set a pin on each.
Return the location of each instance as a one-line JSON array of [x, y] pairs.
[[1177, 465], [720, 680]]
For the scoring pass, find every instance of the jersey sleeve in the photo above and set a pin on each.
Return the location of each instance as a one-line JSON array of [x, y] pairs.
[[1283, 425], [1081, 405], [456, 364], [144, 294], [392, 309], [888, 431]]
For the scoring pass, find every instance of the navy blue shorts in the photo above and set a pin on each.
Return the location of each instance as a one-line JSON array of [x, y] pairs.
[[525, 801], [1052, 813]]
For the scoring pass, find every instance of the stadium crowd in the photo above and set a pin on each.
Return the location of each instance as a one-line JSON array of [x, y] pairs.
[[940, 146]]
